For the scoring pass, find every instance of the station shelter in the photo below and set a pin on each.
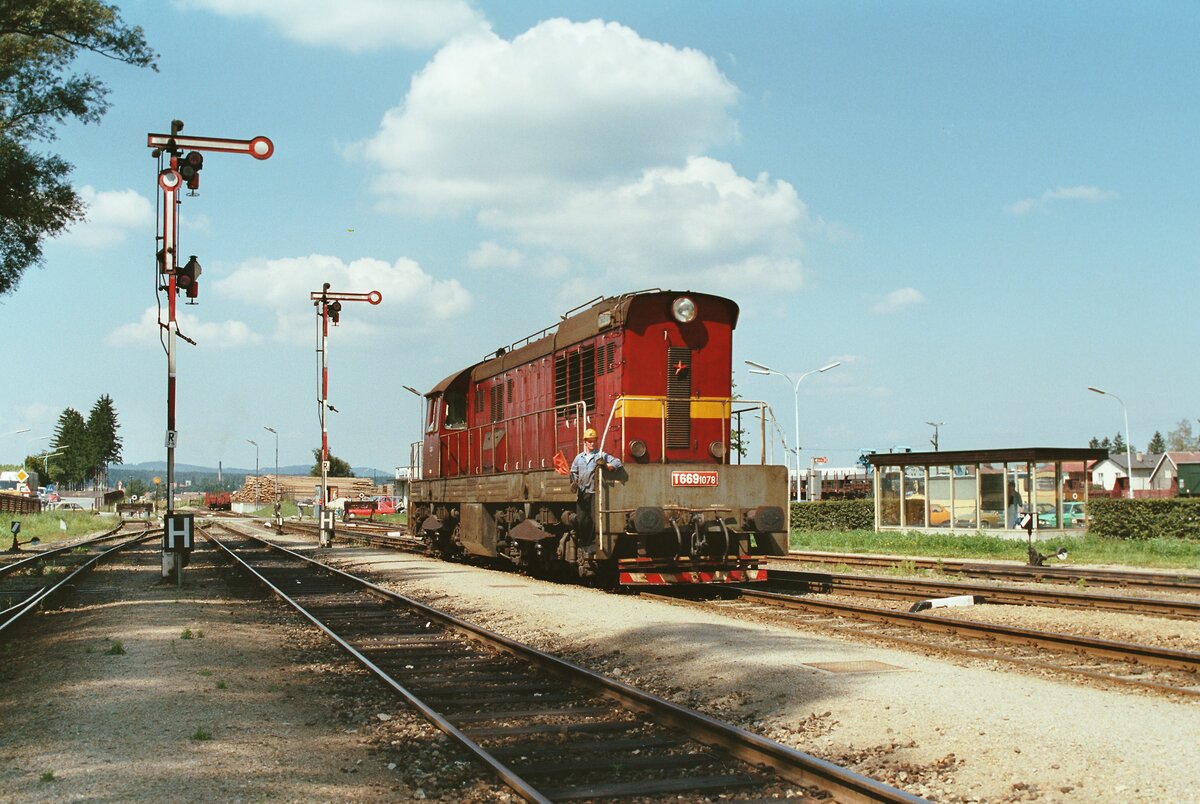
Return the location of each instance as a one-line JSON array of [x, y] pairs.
[[983, 490]]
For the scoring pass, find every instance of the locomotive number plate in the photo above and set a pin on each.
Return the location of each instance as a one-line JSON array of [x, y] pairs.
[[693, 478]]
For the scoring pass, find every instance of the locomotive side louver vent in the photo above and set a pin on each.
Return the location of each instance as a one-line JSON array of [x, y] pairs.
[[679, 397], [575, 379]]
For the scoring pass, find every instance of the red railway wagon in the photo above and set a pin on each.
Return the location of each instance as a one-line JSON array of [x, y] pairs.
[[217, 500], [651, 371]]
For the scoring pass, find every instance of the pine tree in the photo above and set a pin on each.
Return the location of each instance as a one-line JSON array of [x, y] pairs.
[[104, 445], [71, 439], [1118, 444], [1158, 444]]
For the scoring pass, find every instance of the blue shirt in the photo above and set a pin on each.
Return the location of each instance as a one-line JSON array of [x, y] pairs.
[[583, 468]]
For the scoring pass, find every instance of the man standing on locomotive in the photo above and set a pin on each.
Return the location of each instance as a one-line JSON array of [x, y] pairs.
[[583, 478]]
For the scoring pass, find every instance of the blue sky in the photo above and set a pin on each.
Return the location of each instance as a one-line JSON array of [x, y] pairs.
[[979, 209]]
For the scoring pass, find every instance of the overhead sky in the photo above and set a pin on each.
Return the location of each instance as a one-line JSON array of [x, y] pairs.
[[979, 209]]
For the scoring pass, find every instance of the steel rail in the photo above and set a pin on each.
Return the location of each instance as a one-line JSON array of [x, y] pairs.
[[788, 763], [1125, 651], [44, 594], [41, 555], [919, 589], [1099, 576]]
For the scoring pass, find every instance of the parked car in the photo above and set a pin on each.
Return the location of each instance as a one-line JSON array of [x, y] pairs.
[[1074, 516], [938, 515]]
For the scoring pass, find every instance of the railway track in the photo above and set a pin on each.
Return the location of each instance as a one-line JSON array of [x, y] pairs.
[[551, 730], [799, 582], [1143, 666], [1085, 576], [27, 584]]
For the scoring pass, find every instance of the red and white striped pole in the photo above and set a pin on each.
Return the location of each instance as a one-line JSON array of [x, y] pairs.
[[170, 180], [329, 305]]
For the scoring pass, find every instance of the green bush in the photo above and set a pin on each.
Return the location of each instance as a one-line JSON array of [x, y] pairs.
[[1122, 518], [833, 515]]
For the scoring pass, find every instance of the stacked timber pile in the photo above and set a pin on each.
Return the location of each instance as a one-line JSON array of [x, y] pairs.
[[263, 488]]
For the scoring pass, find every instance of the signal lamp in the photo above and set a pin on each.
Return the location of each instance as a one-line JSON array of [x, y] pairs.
[[335, 311], [189, 169], [187, 277], [684, 310]]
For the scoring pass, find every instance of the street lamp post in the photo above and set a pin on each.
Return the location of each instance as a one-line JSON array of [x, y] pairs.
[[278, 491], [255, 443], [420, 424], [934, 440], [1128, 447], [759, 368]]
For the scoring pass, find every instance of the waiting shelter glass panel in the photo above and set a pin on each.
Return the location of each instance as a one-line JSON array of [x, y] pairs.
[[889, 497], [914, 496], [940, 480], [1046, 494], [966, 504], [1018, 496], [991, 495], [1074, 485]]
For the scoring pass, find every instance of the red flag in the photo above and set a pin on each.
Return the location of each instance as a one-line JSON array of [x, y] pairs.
[[560, 463]]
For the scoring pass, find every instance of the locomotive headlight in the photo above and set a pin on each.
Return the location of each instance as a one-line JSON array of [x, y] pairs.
[[684, 310], [637, 448], [717, 449]]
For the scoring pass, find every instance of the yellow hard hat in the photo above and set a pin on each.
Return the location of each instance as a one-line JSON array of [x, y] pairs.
[[590, 434]]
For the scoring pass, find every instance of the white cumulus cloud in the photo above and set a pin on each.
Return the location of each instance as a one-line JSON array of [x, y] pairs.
[[214, 334], [111, 215], [356, 25], [897, 300], [1091, 195], [585, 148], [283, 287], [489, 120]]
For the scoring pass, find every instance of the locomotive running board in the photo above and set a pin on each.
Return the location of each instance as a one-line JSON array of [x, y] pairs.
[[664, 572]]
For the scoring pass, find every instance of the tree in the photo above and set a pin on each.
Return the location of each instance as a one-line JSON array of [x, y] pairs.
[[1181, 439], [70, 438], [1158, 444], [38, 41], [103, 443], [337, 467], [1118, 444], [1105, 443]]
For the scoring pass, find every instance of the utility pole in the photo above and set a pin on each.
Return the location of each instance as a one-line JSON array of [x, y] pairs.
[[329, 308], [934, 440], [175, 170]]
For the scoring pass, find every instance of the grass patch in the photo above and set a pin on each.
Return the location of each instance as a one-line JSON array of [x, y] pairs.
[[221, 685], [115, 648], [1085, 548], [48, 776], [45, 526], [187, 634], [201, 734]]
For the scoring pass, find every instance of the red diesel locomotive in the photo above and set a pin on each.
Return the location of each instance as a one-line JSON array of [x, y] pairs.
[[651, 372]]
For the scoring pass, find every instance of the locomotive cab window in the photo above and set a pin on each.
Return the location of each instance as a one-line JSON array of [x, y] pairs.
[[456, 408]]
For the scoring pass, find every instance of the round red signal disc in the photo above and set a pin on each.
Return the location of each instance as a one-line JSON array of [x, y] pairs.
[[261, 148], [169, 180], [374, 297]]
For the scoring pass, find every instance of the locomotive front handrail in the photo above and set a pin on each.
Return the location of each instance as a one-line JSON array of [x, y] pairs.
[[621, 404]]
